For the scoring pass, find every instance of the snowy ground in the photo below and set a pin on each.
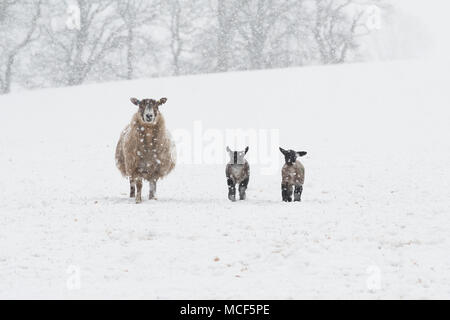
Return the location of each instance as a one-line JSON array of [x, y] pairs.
[[374, 222]]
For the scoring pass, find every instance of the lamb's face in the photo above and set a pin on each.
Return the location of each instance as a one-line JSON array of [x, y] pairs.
[[237, 157], [290, 156], [148, 109]]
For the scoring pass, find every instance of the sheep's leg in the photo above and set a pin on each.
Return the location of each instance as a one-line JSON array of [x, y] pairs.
[[242, 188], [289, 193], [132, 188], [284, 188], [298, 193], [231, 189], [286, 192], [152, 189], [138, 190]]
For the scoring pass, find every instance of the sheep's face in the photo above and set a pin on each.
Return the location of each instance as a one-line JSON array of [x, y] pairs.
[[148, 109], [290, 156], [237, 157]]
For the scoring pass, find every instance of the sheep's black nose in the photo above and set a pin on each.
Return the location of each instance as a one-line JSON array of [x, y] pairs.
[[148, 117]]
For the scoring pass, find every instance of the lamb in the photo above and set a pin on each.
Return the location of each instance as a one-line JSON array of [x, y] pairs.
[[145, 150], [237, 171], [292, 174]]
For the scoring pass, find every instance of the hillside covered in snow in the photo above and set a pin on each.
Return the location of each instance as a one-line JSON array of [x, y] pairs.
[[373, 222]]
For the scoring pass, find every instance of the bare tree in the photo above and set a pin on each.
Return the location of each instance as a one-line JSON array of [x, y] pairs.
[[112, 39], [184, 21], [227, 11], [18, 30], [258, 20], [4, 6], [135, 14], [176, 40], [337, 25], [83, 47]]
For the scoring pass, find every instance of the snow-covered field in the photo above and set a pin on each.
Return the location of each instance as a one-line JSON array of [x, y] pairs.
[[374, 221]]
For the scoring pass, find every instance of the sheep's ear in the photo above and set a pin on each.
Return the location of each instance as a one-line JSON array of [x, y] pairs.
[[162, 101], [228, 149], [134, 101], [282, 150], [246, 150], [302, 153]]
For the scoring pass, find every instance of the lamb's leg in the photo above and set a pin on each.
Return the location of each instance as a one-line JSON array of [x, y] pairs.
[[242, 188], [286, 192], [231, 189], [138, 190], [289, 193], [132, 188], [298, 193], [152, 189]]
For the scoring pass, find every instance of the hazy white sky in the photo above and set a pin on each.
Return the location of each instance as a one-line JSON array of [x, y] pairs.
[[435, 16]]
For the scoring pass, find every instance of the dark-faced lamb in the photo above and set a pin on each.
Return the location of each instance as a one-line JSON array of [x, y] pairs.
[[292, 175], [145, 150], [237, 171]]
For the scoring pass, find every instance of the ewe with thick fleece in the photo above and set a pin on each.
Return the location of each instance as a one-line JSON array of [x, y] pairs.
[[145, 150]]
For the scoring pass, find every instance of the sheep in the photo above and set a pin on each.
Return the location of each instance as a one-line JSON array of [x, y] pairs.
[[145, 150], [237, 171], [292, 174]]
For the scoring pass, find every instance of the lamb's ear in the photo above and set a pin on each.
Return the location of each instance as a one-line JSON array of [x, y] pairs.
[[282, 150], [302, 153], [246, 150], [134, 101], [162, 101], [228, 149]]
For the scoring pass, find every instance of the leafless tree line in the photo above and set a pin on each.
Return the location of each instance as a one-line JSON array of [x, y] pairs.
[[63, 43]]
